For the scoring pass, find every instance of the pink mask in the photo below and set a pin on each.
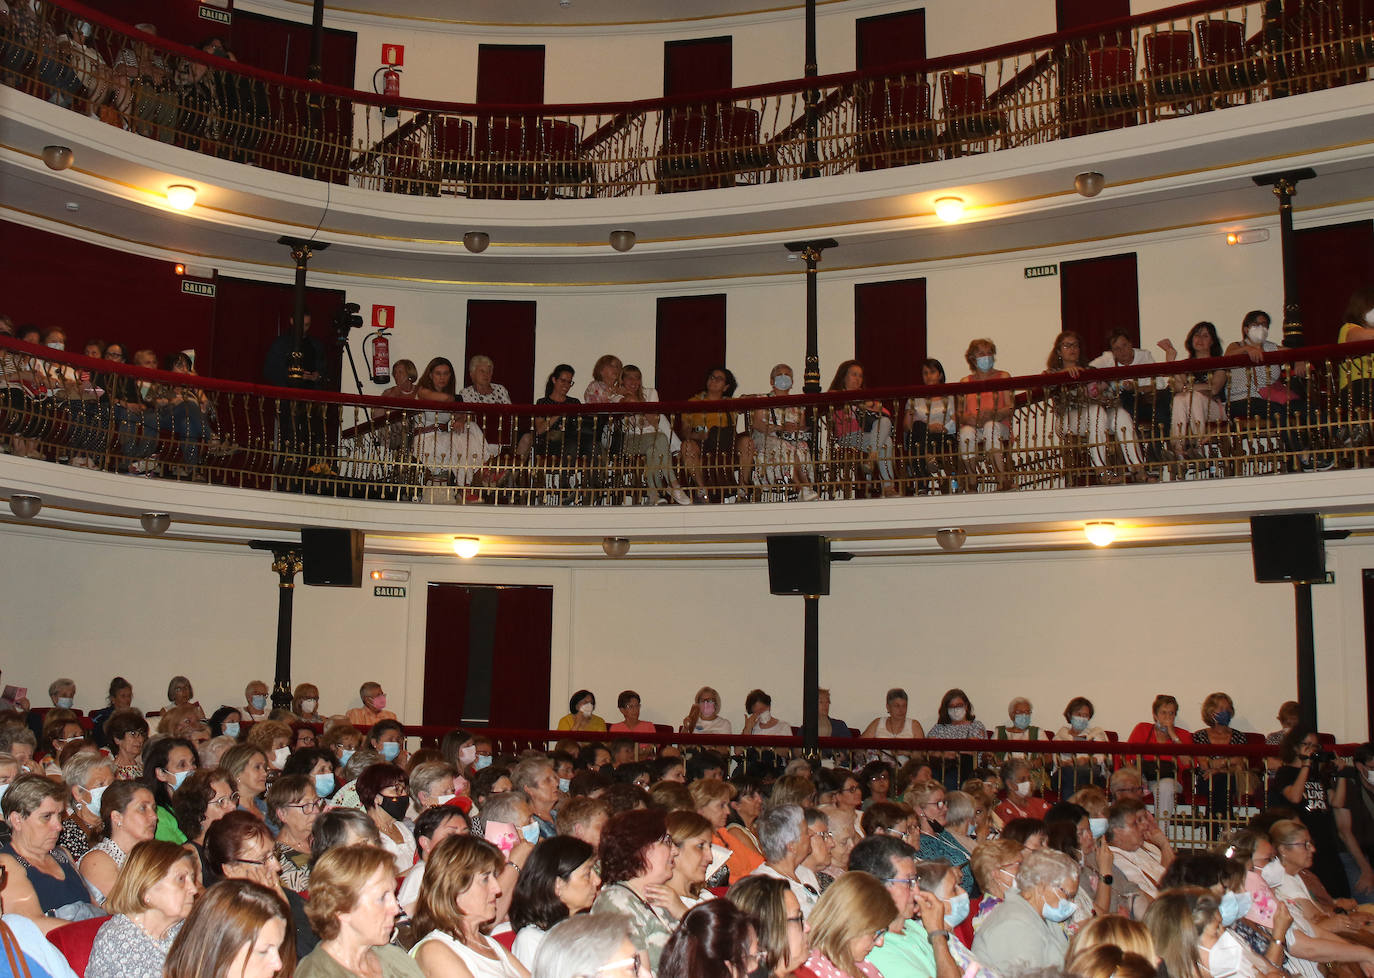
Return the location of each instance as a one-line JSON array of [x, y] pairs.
[[708, 710], [379, 702]]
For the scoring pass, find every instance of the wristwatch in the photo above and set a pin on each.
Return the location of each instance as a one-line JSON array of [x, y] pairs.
[[1108, 878], [939, 933]]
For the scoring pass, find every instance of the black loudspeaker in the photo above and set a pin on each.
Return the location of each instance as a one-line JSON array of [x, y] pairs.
[[1288, 548], [332, 558], [799, 564]]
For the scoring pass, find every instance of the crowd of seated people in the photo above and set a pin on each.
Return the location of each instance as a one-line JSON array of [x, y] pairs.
[[263, 852], [1105, 432]]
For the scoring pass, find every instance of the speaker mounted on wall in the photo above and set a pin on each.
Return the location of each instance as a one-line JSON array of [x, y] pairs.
[[799, 564], [332, 557], [1288, 548]]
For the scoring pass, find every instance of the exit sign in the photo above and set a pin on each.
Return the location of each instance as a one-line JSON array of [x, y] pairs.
[[388, 591], [198, 288], [1041, 271]]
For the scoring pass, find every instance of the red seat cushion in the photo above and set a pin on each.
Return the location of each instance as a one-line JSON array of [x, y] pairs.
[[75, 940], [506, 940]]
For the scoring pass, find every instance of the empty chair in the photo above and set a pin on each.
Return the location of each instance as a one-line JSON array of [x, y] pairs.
[[1171, 73], [1228, 68], [895, 125], [1111, 89], [964, 106], [452, 148]]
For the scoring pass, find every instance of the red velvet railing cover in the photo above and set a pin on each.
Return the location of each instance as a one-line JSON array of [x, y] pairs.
[[1027, 382], [790, 86]]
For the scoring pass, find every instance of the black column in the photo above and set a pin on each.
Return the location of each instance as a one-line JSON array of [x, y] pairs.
[[812, 168], [811, 673], [811, 251], [301, 253], [1307, 654], [1285, 185], [286, 564], [315, 70]]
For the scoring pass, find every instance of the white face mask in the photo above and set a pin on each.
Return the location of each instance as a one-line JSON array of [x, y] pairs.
[[765, 716], [957, 714], [1023, 787], [444, 799], [279, 757], [1272, 873], [309, 705], [1256, 335], [585, 709], [1369, 775], [1369, 317], [94, 804], [468, 754], [1225, 957], [57, 345]]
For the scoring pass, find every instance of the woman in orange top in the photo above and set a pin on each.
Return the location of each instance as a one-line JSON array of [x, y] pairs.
[[985, 418], [712, 800]]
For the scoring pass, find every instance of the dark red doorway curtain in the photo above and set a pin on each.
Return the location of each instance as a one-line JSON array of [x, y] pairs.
[[1096, 297], [1333, 262], [890, 39], [250, 315], [503, 330], [689, 339], [510, 74], [697, 66], [487, 654], [176, 20], [889, 332], [101, 293], [1072, 14]]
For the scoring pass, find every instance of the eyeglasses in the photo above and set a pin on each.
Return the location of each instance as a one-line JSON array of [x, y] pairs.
[[270, 858], [1304, 845], [667, 840], [631, 962], [719, 377], [879, 934], [798, 920], [226, 801], [936, 804], [824, 835], [910, 881], [308, 806], [898, 833]]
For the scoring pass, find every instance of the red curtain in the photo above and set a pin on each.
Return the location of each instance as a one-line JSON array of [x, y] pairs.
[[689, 340], [889, 332], [1333, 262], [890, 39], [250, 315], [1096, 297], [1072, 14], [510, 74], [699, 65], [487, 655], [176, 20], [503, 330], [283, 46], [94, 292]]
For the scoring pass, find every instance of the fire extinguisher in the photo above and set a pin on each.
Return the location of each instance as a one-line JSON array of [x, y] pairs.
[[379, 356], [391, 87]]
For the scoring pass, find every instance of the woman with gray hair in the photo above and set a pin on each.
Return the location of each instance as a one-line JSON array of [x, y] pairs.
[[42, 878], [87, 774], [964, 828], [781, 437], [586, 945], [1023, 932], [785, 839], [481, 390]]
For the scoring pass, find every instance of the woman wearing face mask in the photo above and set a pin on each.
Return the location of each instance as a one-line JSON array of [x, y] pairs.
[[1024, 931], [1300, 784], [783, 933], [1184, 925], [937, 879], [1261, 391], [1266, 922], [1020, 801], [129, 814], [1067, 830], [1161, 773], [984, 418], [760, 722], [226, 722], [86, 775], [994, 866], [384, 795], [581, 713], [1224, 775], [305, 703], [955, 721], [273, 738], [559, 879], [167, 764], [1022, 727], [1224, 878], [704, 716], [1074, 771], [865, 426], [946, 820], [387, 738], [256, 705], [782, 439]]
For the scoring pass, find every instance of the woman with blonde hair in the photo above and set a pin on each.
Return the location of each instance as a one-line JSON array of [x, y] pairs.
[[457, 904], [848, 921], [705, 716], [237, 929], [1129, 935], [1178, 920], [149, 901], [647, 434], [353, 909], [692, 835], [712, 800], [273, 738], [1109, 961]]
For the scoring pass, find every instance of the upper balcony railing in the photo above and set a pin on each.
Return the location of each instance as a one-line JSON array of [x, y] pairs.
[[1189, 59], [1215, 418]]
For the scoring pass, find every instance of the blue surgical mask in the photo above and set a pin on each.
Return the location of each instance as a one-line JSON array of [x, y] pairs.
[[958, 910], [1098, 826], [324, 784], [391, 750], [530, 832], [65, 702], [259, 702], [177, 778], [564, 784], [94, 804], [3, 789], [782, 382], [231, 729], [1222, 717], [483, 760], [1079, 724], [1021, 721], [1234, 906], [344, 755], [984, 363], [1058, 913]]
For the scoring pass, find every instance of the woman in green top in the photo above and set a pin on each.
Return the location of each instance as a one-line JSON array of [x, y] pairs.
[[166, 765]]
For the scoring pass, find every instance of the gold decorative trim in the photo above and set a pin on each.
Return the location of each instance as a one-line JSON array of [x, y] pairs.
[[521, 25]]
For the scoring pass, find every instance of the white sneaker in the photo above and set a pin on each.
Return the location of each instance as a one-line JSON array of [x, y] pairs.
[[809, 495], [681, 498]]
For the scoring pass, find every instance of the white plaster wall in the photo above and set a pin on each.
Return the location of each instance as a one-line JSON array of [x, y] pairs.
[[1117, 626]]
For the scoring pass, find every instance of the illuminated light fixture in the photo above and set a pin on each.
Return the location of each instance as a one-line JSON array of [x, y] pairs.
[[155, 523], [622, 240], [949, 209], [25, 507], [1100, 533], [1089, 183], [1248, 236], [951, 538], [58, 157], [391, 575], [615, 546], [179, 269], [476, 241], [182, 196], [466, 547]]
